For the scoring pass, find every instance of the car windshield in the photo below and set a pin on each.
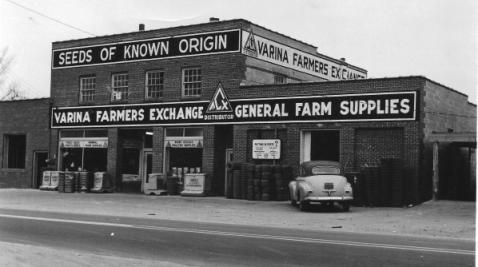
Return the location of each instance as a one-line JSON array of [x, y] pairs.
[[325, 170]]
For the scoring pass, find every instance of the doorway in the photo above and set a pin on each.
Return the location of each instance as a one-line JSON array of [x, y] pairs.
[[146, 166], [320, 145], [39, 165]]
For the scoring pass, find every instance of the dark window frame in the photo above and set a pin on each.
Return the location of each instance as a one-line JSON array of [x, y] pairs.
[[158, 92], [86, 95], [188, 82], [14, 154]]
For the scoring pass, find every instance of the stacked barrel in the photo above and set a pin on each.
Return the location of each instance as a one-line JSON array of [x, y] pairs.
[[84, 184], [61, 181], [382, 185], [258, 182]]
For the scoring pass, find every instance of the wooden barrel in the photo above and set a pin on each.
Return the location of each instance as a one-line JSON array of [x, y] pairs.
[[236, 185], [257, 182], [61, 180]]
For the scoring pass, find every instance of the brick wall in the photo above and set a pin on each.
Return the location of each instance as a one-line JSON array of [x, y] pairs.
[[405, 135], [29, 118]]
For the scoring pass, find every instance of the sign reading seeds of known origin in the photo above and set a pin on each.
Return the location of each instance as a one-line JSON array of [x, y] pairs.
[[150, 49], [230, 41], [391, 106], [266, 149], [273, 52]]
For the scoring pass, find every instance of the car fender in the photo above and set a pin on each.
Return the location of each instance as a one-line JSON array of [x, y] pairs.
[[293, 190], [302, 188]]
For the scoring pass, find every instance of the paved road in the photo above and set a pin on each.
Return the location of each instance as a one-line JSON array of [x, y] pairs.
[[226, 245]]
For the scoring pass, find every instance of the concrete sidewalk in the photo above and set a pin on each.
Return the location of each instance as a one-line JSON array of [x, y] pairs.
[[445, 219]]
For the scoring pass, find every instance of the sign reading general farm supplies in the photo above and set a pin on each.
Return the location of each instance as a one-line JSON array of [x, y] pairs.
[[266, 149], [150, 49], [390, 106]]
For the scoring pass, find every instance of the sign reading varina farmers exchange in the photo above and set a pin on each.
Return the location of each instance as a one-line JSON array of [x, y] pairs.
[[332, 108], [289, 57]]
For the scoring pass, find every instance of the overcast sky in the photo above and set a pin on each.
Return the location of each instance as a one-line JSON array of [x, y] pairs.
[[433, 38]]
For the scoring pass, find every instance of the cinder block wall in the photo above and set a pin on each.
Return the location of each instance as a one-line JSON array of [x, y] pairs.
[[31, 118], [444, 109]]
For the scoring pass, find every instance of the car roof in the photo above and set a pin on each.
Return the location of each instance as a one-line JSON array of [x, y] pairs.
[[314, 163]]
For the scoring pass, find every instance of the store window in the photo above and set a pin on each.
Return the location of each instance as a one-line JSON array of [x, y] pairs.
[[280, 79], [192, 82], [154, 84], [183, 150], [119, 86], [83, 150], [87, 88], [14, 151]]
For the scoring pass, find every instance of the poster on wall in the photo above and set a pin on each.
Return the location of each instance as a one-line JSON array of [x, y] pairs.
[[266, 148]]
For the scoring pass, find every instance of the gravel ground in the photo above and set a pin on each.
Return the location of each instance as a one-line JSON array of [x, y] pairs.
[[447, 219], [436, 219]]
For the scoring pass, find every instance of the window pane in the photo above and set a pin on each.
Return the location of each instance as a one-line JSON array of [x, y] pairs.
[[192, 82], [71, 133], [87, 88], [96, 133], [154, 84], [16, 151], [119, 90], [193, 132], [174, 131]]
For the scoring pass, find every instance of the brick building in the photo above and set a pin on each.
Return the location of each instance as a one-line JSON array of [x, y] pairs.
[[195, 96], [24, 127]]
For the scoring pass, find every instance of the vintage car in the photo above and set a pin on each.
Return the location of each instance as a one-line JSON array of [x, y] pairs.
[[320, 182]]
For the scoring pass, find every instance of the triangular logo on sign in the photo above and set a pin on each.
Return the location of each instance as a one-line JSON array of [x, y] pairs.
[[219, 101], [250, 48]]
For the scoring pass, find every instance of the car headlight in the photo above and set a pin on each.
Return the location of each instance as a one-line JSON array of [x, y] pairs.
[[348, 188]]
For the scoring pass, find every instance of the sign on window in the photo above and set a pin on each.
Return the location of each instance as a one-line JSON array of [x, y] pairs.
[[266, 149]]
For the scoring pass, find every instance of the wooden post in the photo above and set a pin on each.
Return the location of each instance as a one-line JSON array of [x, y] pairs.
[[435, 170]]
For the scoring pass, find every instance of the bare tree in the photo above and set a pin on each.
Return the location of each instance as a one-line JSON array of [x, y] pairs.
[[9, 90]]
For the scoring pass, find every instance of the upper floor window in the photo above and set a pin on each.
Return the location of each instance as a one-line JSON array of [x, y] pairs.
[[87, 88], [14, 151], [119, 86], [154, 84], [192, 82], [280, 79]]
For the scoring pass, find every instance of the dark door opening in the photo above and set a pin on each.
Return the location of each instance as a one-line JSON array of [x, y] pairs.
[[38, 167], [223, 141], [325, 145]]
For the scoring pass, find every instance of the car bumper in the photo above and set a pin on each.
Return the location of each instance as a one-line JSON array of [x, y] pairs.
[[327, 198]]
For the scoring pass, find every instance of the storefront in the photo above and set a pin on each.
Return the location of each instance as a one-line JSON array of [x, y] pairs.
[[83, 150], [129, 111]]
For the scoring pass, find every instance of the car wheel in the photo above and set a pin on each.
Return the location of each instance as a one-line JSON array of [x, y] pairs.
[[345, 206], [303, 205]]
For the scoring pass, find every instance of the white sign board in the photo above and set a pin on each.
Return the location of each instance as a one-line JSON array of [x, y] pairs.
[[194, 184], [286, 56], [87, 142], [266, 149], [185, 143]]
